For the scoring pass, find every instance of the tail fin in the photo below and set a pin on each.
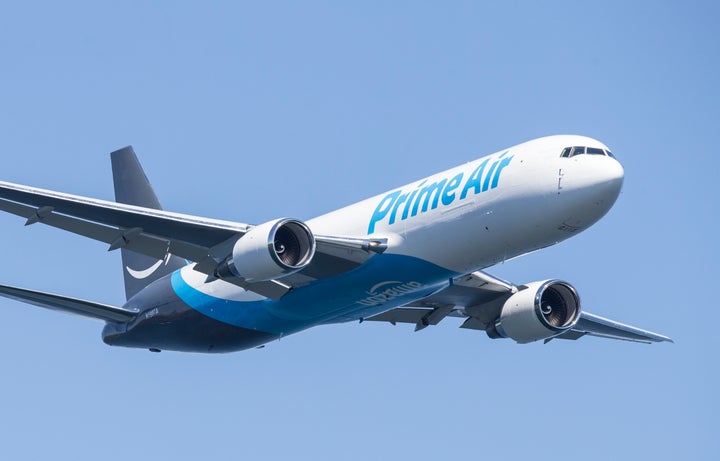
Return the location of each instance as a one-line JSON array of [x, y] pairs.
[[133, 188]]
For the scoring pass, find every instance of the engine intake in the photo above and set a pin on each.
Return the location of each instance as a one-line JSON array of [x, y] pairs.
[[270, 251], [540, 311]]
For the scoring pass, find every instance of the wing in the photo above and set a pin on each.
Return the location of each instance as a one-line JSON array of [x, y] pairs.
[[594, 325], [72, 305], [156, 233], [479, 298]]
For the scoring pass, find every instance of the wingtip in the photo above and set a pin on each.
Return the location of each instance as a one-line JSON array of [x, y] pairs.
[[661, 339]]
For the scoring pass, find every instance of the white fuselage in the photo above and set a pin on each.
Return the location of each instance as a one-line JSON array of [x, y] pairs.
[[525, 198], [458, 221]]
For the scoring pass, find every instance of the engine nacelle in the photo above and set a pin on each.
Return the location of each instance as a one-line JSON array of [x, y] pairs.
[[270, 251], [540, 311]]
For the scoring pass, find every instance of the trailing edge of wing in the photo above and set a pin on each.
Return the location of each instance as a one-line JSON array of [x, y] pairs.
[[72, 305], [401, 315]]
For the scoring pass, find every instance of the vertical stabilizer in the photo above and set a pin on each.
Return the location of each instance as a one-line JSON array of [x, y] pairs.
[[133, 188]]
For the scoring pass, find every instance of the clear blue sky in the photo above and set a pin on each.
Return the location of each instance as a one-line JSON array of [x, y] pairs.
[[249, 112]]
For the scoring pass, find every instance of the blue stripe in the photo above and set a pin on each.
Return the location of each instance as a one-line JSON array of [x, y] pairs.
[[341, 298]]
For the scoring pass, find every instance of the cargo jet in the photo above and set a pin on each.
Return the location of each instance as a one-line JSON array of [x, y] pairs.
[[416, 254]]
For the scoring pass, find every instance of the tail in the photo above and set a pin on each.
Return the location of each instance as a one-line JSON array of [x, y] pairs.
[[133, 188]]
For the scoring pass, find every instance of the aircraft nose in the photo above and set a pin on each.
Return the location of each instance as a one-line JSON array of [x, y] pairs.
[[609, 177], [589, 188], [599, 179]]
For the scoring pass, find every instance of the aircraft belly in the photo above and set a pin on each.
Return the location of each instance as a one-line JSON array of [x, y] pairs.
[[167, 323], [384, 282], [180, 328], [181, 313]]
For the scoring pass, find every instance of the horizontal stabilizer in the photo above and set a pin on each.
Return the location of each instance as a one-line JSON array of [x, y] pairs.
[[72, 305]]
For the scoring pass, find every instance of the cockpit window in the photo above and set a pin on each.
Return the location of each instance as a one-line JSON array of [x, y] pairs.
[[580, 150]]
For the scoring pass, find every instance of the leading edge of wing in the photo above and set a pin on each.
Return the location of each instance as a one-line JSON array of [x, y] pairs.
[[76, 306], [199, 230]]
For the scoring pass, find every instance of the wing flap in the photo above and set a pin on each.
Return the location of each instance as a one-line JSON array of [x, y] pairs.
[[401, 315], [75, 306], [422, 317]]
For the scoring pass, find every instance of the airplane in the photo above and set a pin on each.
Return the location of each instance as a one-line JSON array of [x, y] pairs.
[[416, 254]]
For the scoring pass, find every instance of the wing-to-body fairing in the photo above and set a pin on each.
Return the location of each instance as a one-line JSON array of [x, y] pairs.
[[415, 254]]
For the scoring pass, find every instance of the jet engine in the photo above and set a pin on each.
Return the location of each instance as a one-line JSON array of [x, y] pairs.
[[270, 251], [540, 311]]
